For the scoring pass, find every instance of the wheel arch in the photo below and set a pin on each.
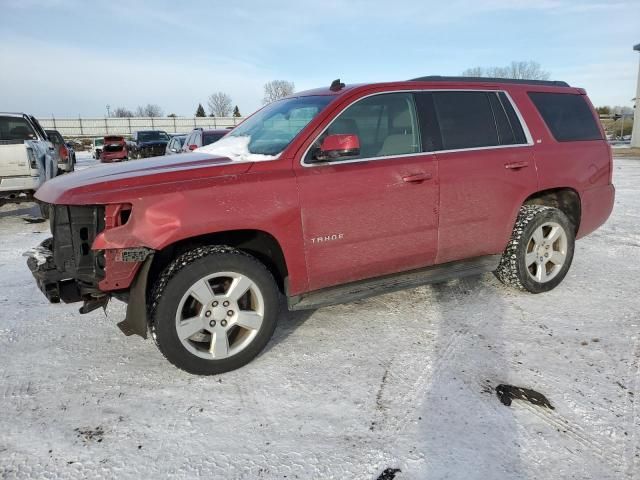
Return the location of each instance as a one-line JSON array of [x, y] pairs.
[[565, 199], [258, 243]]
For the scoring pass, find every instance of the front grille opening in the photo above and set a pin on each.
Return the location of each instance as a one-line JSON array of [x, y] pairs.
[[84, 234], [84, 247]]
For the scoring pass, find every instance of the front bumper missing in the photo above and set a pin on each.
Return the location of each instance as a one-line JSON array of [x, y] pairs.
[[56, 286], [52, 283]]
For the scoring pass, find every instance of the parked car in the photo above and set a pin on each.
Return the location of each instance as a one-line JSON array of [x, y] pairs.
[[66, 153], [27, 158], [96, 147], [330, 196], [148, 143], [114, 149], [175, 144], [200, 137]]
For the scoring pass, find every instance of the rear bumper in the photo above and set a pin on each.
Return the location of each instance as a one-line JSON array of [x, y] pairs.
[[22, 183], [597, 205], [113, 158]]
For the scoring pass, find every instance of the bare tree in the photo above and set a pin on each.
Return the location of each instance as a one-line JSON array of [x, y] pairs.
[[277, 89], [122, 112], [219, 104], [148, 110], [518, 70]]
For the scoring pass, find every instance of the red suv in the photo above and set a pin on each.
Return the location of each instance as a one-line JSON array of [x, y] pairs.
[[329, 196]]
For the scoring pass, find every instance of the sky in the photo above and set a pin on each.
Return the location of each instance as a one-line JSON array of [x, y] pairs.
[[66, 58]]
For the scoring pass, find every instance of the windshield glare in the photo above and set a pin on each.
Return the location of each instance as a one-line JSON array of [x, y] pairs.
[[273, 128]]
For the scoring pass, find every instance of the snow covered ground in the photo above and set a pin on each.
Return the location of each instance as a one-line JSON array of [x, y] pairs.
[[401, 381]]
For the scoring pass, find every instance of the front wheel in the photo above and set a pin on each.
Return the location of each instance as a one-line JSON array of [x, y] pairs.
[[213, 309], [540, 250]]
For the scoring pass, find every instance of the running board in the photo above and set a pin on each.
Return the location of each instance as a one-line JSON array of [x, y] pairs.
[[391, 283]]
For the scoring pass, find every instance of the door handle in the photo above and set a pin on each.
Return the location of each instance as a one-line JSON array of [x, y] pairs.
[[416, 178], [516, 165]]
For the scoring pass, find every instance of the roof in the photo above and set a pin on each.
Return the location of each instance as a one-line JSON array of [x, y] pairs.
[[438, 78], [12, 114]]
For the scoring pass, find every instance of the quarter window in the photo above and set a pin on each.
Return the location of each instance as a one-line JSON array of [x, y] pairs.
[[385, 124], [567, 115]]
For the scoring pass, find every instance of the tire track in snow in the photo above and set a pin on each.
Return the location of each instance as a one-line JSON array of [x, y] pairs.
[[576, 433], [632, 450]]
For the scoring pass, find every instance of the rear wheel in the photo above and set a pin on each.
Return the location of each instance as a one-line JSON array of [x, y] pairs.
[[213, 310], [540, 251]]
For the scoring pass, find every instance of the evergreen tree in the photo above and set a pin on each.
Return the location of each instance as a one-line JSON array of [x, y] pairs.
[[236, 112], [200, 111]]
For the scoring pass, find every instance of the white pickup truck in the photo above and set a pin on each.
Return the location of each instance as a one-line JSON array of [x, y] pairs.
[[27, 157]]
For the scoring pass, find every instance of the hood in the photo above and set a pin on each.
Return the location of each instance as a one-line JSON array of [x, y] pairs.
[[151, 143], [116, 183]]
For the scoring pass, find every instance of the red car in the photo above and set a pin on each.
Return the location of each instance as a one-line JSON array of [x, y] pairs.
[[114, 149], [329, 196]]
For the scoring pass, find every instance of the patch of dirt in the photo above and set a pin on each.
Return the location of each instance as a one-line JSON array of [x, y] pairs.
[[90, 434]]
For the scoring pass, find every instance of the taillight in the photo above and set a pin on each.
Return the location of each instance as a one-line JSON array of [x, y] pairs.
[[64, 152], [32, 158], [193, 147]]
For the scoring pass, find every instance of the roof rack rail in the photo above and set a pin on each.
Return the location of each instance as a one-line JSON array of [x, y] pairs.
[[439, 78]]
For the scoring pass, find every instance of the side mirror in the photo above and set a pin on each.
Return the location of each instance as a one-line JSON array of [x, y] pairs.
[[337, 147], [192, 147]]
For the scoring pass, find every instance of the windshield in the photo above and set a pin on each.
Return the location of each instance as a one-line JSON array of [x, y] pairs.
[[98, 142], [153, 136], [264, 135]]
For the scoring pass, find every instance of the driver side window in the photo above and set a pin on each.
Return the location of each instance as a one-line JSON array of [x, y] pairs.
[[385, 124]]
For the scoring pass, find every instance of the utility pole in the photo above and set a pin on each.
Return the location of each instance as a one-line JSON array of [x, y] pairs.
[[635, 132], [108, 110]]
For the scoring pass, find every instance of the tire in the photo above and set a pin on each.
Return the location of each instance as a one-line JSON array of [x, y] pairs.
[[540, 251], [190, 296], [45, 210]]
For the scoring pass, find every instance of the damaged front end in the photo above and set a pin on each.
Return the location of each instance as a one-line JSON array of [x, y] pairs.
[[64, 266], [67, 269]]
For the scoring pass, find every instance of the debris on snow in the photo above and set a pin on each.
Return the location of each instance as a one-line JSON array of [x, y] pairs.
[[236, 148], [506, 393], [90, 434], [389, 474], [33, 219]]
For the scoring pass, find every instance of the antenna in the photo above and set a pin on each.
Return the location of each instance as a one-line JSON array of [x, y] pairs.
[[336, 85]]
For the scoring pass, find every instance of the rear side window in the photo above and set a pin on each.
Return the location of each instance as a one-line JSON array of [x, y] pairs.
[[466, 120], [209, 138], [15, 129], [567, 115]]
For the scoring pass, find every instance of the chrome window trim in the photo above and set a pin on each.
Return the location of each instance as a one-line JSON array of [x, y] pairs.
[[524, 125]]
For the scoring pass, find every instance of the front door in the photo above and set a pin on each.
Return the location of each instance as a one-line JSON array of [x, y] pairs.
[[377, 213]]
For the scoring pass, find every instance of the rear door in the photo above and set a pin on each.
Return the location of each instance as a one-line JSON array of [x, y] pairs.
[[375, 214], [486, 165]]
